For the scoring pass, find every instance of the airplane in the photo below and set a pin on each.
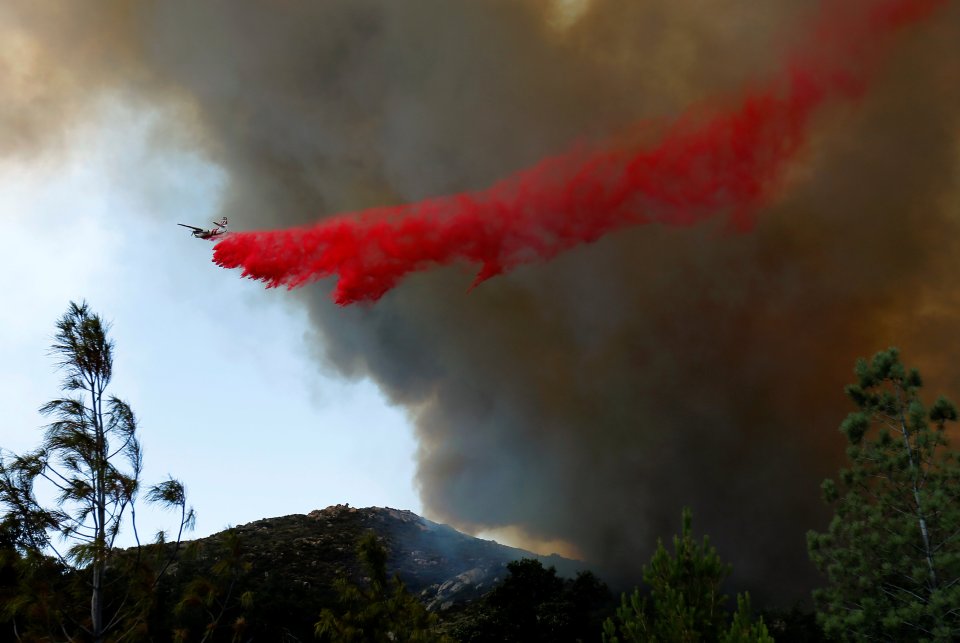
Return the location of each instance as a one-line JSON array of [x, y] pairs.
[[213, 233]]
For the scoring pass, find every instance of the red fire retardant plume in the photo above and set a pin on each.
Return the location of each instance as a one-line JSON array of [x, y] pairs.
[[701, 166]]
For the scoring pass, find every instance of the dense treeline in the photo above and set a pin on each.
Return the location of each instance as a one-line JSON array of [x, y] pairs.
[[890, 557]]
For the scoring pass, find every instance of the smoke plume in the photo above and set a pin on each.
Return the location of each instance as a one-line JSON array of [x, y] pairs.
[[589, 398]]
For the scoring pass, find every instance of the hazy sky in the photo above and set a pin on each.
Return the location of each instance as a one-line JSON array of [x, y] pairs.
[[217, 369]]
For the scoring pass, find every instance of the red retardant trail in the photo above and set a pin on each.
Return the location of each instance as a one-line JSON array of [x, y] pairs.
[[701, 166]]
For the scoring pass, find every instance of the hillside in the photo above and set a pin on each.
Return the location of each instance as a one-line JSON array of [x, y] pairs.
[[292, 562]]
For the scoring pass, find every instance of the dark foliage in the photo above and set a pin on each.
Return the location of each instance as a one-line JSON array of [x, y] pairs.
[[891, 554], [534, 604], [686, 602], [377, 610], [793, 626]]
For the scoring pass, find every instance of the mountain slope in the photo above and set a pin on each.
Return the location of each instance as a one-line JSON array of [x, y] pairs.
[[302, 555]]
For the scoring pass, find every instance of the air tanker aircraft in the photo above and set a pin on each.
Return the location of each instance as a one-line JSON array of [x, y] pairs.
[[200, 233]]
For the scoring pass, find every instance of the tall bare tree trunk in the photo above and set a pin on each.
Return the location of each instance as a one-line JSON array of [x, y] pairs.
[[100, 493], [921, 517]]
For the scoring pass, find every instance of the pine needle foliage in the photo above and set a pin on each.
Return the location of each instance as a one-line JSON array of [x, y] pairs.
[[891, 554], [686, 601], [214, 607], [382, 611], [91, 461]]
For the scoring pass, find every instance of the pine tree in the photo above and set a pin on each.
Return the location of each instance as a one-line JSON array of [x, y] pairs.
[[743, 629], [90, 458], [686, 600], [891, 554]]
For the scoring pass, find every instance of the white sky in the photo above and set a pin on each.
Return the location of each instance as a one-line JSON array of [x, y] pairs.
[[218, 369]]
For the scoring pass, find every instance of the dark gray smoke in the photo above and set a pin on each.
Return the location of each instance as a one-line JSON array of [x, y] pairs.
[[590, 398]]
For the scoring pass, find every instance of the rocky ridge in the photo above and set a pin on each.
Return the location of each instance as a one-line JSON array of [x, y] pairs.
[[305, 553]]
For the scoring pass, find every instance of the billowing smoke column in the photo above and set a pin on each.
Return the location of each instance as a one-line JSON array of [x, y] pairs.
[[728, 162], [589, 398]]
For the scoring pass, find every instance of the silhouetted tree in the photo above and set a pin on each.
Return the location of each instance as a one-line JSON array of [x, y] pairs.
[[534, 604], [528, 604], [382, 611], [686, 599], [590, 601], [891, 554], [91, 459]]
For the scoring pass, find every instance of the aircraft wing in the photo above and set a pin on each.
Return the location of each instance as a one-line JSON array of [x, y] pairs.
[[194, 228]]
